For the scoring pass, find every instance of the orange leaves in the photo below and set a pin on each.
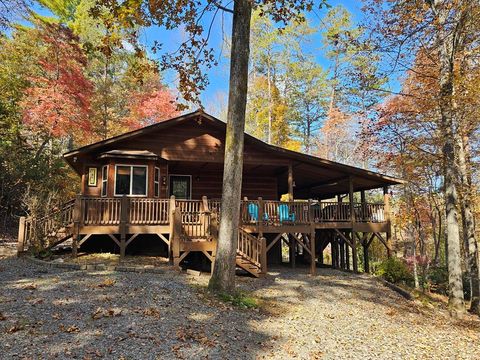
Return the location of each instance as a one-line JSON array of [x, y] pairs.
[[57, 103]]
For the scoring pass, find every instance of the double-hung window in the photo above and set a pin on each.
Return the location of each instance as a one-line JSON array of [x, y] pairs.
[[104, 180], [131, 180], [156, 182]]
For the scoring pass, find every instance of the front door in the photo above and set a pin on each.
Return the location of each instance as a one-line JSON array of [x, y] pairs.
[[181, 186]]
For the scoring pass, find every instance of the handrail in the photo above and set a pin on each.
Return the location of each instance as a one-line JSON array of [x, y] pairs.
[[249, 247]]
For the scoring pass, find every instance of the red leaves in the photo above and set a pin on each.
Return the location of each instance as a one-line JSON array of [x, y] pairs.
[[58, 101]]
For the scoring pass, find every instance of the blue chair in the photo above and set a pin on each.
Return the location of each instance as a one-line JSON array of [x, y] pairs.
[[284, 213], [252, 209]]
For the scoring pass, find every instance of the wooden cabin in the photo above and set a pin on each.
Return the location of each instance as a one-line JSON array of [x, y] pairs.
[[166, 179]]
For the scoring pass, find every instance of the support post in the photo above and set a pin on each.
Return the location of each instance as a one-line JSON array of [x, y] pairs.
[[123, 225], [292, 244], [263, 255], [342, 254], [350, 199], [313, 263], [365, 257], [171, 212], [177, 231], [77, 222], [347, 256], [21, 236], [290, 182], [333, 247], [363, 215], [386, 200], [260, 217], [354, 252]]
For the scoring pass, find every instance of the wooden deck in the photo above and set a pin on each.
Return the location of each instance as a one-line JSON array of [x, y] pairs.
[[192, 225]]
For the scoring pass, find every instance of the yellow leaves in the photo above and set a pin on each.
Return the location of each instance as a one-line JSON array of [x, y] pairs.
[[106, 283], [71, 329], [31, 286]]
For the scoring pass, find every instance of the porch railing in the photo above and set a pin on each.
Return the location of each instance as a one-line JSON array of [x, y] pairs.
[[150, 211]]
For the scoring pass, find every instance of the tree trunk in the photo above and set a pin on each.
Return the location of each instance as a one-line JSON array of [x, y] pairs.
[[446, 41], [223, 276], [468, 221]]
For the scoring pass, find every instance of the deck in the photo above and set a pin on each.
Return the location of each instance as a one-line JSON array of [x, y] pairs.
[[192, 225]]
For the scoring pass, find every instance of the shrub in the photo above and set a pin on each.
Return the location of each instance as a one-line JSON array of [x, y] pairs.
[[395, 271], [437, 280]]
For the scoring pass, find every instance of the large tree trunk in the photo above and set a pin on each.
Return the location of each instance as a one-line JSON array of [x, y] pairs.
[[468, 221], [223, 277], [445, 38]]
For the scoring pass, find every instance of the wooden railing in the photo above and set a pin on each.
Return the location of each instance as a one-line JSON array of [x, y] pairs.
[[250, 247], [148, 211], [100, 211], [44, 230]]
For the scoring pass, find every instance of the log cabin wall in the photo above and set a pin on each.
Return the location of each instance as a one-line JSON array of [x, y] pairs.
[[209, 184]]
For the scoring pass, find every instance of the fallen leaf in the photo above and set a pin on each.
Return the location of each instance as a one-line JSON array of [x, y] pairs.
[[30, 287]]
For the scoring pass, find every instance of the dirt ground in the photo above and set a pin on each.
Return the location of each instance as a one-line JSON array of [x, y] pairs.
[[51, 313]]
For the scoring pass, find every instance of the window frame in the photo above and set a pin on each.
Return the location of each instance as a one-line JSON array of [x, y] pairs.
[[104, 182], [131, 181], [156, 183], [181, 175]]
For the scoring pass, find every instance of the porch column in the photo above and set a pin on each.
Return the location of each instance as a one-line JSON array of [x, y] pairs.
[[352, 220], [386, 201], [77, 220], [363, 215], [123, 225], [290, 182]]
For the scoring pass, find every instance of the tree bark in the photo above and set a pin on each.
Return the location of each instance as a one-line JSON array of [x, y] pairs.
[[223, 276], [446, 42], [468, 221]]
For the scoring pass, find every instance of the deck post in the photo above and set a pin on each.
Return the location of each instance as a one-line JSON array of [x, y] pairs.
[[171, 212], [291, 242], [352, 220], [342, 254], [333, 250], [290, 182], [363, 215], [177, 231], [347, 256], [365, 256], [263, 255], [21, 236], [77, 221], [313, 263], [123, 225], [354, 252], [260, 217], [386, 200]]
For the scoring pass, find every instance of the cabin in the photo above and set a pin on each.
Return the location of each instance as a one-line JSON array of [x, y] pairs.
[[165, 181]]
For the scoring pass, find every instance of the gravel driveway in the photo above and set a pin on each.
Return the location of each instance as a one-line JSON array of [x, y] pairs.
[[55, 313]]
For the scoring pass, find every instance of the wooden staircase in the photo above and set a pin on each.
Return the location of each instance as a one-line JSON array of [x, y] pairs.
[[48, 231], [251, 253]]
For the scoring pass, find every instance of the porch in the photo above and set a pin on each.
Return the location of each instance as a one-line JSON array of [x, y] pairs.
[[306, 226]]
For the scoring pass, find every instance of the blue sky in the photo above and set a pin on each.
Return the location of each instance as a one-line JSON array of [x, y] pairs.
[[215, 95], [216, 92]]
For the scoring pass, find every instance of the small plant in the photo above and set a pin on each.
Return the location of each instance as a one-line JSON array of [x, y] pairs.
[[395, 271], [239, 299]]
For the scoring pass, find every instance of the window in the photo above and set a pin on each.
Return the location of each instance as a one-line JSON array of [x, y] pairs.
[[130, 180], [156, 182], [104, 180], [181, 186]]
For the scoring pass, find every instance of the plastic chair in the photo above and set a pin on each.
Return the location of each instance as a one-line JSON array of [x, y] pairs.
[[252, 209], [284, 213]]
